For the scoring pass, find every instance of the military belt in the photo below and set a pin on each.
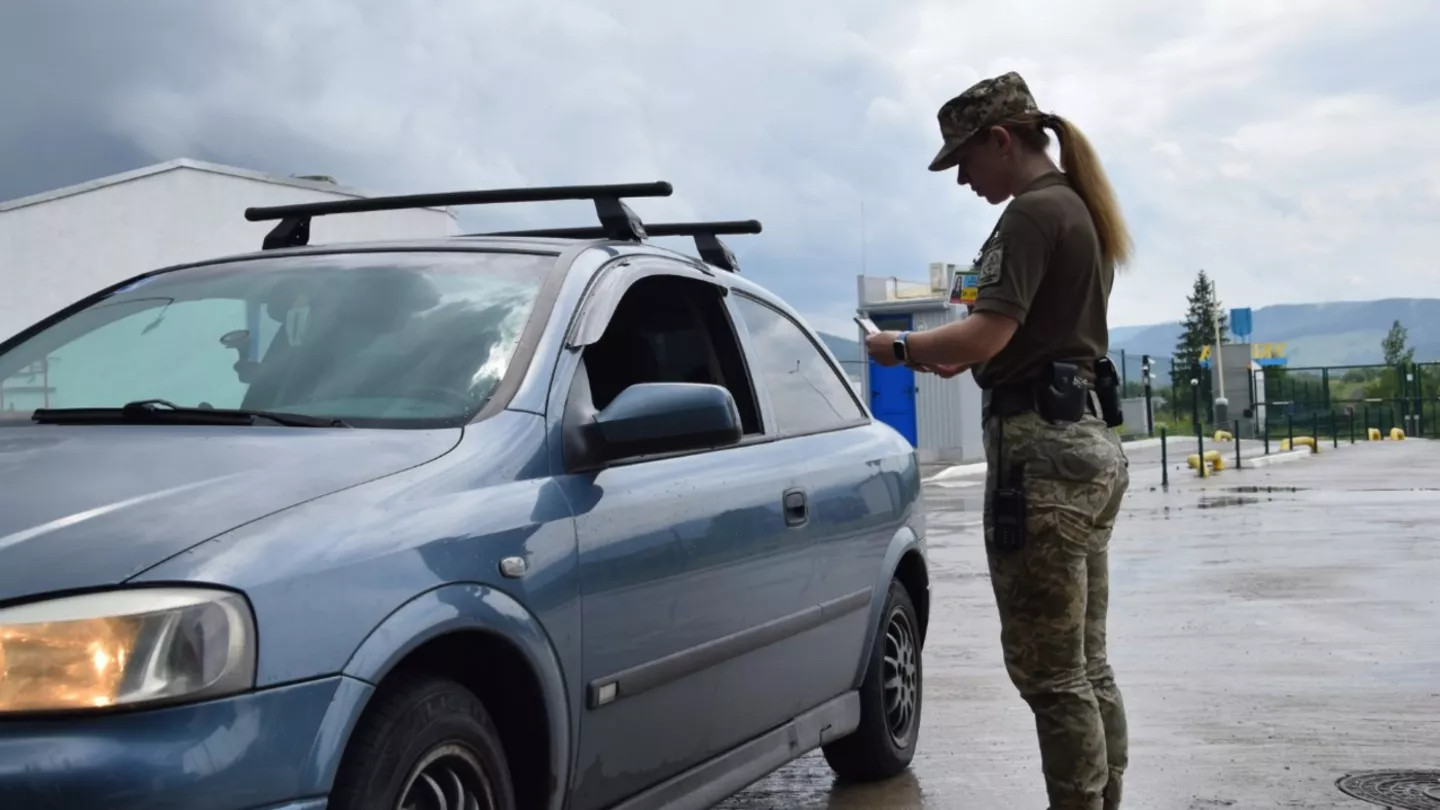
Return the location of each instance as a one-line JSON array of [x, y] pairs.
[[1014, 399]]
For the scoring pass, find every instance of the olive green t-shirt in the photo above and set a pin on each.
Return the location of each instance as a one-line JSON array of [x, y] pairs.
[[1042, 267]]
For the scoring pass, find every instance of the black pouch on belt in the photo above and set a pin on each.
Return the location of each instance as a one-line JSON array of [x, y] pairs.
[[1062, 397], [1107, 390]]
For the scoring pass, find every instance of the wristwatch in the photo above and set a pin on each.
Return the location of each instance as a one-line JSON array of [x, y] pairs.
[[902, 347]]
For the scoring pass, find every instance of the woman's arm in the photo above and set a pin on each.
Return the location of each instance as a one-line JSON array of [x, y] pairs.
[[961, 344]]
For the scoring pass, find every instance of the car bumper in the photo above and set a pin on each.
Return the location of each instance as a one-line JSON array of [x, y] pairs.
[[273, 750]]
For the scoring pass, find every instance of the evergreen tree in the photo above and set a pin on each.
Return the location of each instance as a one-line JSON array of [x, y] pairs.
[[1198, 332], [1386, 383], [1393, 346]]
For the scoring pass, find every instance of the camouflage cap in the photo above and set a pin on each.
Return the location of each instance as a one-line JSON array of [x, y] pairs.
[[985, 104]]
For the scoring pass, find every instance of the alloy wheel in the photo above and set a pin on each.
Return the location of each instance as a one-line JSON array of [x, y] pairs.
[[450, 777], [902, 677]]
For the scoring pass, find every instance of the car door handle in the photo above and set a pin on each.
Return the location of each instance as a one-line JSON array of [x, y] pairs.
[[797, 507]]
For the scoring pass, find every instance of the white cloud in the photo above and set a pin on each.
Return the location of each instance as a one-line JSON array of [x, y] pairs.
[[1221, 159], [1280, 144]]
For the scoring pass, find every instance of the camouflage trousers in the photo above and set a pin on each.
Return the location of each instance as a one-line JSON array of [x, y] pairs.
[[1053, 595]]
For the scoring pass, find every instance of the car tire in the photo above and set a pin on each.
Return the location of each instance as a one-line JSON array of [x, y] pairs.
[[419, 736], [884, 743]]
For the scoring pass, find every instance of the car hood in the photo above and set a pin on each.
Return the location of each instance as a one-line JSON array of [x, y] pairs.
[[89, 506]]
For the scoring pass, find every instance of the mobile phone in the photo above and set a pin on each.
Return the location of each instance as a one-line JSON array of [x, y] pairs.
[[867, 324]]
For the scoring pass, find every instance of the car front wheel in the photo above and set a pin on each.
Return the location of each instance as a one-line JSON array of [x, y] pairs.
[[425, 743], [890, 699]]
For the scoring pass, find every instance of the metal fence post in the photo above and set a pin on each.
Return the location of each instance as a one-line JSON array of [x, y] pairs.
[[1237, 444], [1164, 462], [1290, 431], [1334, 431], [1352, 425]]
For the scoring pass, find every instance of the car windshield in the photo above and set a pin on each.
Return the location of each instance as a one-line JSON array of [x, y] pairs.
[[382, 339]]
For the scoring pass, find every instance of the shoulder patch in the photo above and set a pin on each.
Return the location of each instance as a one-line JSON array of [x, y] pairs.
[[990, 264]]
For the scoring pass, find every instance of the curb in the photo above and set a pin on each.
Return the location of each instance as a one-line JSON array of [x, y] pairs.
[[958, 471], [1276, 458]]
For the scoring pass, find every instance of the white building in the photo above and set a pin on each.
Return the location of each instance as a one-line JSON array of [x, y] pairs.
[[940, 417], [62, 245]]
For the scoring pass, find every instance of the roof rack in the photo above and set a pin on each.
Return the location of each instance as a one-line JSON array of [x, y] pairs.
[[706, 236], [617, 221]]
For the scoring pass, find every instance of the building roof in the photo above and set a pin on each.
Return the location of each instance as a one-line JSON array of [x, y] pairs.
[[187, 163]]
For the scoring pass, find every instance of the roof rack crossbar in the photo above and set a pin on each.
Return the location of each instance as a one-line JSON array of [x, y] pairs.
[[617, 221], [706, 235]]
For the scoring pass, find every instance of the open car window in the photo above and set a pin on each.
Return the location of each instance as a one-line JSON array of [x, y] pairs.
[[386, 339], [671, 329]]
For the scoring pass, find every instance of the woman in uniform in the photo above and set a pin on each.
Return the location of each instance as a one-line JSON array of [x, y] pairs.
[[1036, 341]]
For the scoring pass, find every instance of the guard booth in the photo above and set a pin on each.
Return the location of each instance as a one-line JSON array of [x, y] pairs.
[[941, 418]]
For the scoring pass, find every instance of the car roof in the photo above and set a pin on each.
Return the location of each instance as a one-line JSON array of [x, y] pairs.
[[556, 246], [620, 231]]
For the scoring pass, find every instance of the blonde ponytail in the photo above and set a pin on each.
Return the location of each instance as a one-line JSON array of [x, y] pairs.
[[1080, 163], [1082, 166]]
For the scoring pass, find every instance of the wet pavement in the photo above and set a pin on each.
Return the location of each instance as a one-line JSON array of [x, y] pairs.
[[1272, 629]]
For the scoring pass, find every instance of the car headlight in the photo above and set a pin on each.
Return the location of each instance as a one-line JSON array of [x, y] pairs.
[[123, 648]]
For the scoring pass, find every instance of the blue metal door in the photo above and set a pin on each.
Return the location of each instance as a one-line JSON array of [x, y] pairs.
[[892, 390]]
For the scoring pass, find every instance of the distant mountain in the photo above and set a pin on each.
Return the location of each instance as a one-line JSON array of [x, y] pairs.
[[1341, 333], [845, 350], [1331, 334]]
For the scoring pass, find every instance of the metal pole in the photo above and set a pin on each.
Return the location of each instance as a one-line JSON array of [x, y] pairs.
[[1290, 430], [1352, 425], [1200, 441], [1195, 401], [1334, 431], [1219, 367], [1237, 444], [1164, 462], [1149, 406]]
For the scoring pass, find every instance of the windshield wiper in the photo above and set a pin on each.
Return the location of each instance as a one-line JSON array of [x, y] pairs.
[[160, 411]]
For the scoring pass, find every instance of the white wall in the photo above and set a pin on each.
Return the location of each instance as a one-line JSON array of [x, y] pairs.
[[947, 412], [54, 252]]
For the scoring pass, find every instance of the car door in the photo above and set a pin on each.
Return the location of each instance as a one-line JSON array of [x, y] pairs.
[[852, 481], [695, 583]]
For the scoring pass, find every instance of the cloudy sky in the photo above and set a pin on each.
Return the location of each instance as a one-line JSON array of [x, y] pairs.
[[1287, 146]]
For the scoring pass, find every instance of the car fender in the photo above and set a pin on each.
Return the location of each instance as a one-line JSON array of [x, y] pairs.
[[448, 609], [902, 542]]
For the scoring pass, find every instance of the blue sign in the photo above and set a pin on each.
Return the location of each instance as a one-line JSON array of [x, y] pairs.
[[1240, 322]]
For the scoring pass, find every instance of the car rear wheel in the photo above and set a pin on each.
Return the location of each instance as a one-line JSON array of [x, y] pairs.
[[425, 743], [890, 699]]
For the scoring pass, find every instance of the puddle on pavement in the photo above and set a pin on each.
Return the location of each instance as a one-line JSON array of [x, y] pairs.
[[1219, 501], [809, 784], [1256, 489]]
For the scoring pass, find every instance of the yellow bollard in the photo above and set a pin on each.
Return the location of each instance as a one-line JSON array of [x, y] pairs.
[[1301, 441], [1213, 460], [1373, 434], [1224, 436], [1396, 434]]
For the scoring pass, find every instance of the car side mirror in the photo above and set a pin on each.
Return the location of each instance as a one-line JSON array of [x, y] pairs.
[[651, 418]]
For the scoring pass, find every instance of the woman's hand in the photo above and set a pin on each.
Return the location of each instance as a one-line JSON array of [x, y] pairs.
[[881, 348], [940, 370]]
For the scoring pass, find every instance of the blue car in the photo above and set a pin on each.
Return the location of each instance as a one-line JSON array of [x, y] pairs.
[[549, 519]]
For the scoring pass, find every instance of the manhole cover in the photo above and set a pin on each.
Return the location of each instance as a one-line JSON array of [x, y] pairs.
[[1398, 790]]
